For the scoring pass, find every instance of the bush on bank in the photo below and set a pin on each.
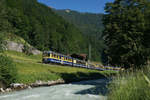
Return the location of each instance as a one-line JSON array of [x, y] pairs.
[[8, 71], [131, 86]]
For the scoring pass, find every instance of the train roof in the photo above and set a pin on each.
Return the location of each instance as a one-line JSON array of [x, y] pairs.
[[56, 53], [61, 54]]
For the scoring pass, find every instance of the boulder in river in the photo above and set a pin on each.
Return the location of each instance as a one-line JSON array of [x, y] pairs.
[[2, 90]]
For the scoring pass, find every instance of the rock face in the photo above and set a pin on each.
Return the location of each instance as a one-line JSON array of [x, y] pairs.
[[34, 51], [14, 46], [20, 48]]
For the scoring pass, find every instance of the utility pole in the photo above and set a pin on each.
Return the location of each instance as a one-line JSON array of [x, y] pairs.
[[89, 52]]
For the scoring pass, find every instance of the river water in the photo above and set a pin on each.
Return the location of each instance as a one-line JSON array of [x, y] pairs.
[[85, 90]]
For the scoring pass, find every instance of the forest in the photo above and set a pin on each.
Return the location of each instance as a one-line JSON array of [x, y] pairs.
[[41, 27]]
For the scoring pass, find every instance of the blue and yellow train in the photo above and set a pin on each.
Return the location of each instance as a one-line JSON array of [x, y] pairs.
[[53, 57], [57, 58]]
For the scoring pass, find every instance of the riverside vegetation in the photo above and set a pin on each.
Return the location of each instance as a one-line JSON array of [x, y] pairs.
[[131, 86], [8, 69], [127, 38]]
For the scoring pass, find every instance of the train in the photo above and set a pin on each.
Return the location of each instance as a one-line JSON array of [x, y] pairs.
[[57, 58]]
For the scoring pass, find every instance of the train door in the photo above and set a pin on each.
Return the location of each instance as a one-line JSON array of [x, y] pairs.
[[61, 59]]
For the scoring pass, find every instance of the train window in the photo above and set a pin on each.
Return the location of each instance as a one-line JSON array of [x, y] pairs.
[[48, 54]]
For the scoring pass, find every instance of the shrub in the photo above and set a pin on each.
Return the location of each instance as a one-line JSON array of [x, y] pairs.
[[26, 49], [8, 71]]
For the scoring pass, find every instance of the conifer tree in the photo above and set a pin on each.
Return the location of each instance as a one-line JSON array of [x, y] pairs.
[[125, 32]]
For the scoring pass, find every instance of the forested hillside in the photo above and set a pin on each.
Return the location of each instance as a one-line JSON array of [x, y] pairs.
[[90, 25], [40, 26]]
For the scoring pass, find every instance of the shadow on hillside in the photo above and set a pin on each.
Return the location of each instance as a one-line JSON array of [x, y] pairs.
[[98, 86]]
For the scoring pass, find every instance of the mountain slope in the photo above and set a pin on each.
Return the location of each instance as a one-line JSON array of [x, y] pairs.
[[90, 25], [40, 26]]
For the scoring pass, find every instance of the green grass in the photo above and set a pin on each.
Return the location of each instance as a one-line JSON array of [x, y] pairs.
[[30, 69], [131, 86], [23, 57]]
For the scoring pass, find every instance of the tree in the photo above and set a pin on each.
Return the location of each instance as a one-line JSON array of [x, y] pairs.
[[125, 31], [8, 71]]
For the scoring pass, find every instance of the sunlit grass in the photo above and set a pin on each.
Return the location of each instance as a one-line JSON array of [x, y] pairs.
[[30, 69], [23, 57], [131, 86]]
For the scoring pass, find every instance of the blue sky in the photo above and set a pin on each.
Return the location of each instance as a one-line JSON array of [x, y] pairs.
[[93, 6]]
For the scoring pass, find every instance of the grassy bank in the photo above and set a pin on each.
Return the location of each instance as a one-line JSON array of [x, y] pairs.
[[131, 86], [31, 69]]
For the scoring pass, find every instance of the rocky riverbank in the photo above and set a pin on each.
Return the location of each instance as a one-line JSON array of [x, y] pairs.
[[20, 86]]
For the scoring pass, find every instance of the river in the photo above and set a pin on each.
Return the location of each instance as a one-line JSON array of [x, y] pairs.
[[84, 90]]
